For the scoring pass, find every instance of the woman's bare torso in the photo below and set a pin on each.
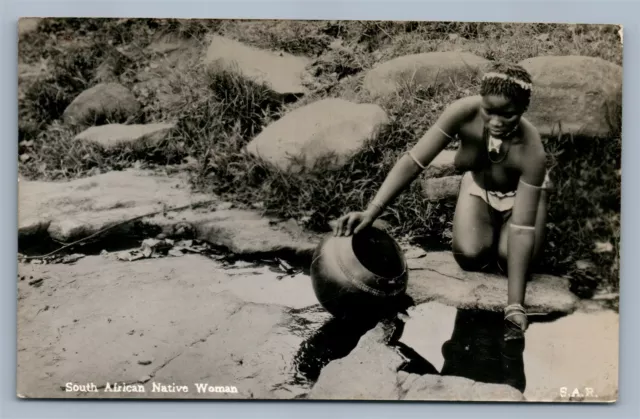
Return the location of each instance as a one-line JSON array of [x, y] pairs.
[[472, 155]]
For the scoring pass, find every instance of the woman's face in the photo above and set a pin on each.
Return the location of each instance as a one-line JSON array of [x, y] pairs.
[[501, 115]]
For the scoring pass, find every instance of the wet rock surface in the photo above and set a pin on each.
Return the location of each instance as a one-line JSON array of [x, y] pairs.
[[201, 319], [157, 321]]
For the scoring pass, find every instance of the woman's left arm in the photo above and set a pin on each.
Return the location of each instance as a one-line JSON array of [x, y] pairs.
[[521, 235]]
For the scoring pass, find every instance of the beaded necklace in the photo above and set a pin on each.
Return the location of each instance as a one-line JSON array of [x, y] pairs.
[[495, 144]]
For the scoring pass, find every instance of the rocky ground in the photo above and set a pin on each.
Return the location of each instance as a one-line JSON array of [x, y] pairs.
[[231, 304]]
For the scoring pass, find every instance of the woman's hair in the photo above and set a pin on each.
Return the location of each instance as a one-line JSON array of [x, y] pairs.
[[508, 80]]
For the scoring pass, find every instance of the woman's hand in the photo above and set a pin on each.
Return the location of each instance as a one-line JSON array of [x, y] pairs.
[[352, 223]]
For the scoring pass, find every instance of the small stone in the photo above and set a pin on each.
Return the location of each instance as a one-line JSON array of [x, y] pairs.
[[144, 361], [175, 252], [147, 252], [603, 247], [223, 206], [584, 265], [36, 282], [72, 258], [114, 135], [415, 253]]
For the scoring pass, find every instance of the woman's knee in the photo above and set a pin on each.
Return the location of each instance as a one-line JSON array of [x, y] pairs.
[[472, 256]]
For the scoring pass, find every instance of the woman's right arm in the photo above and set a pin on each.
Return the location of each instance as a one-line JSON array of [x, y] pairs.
[[409, 166]]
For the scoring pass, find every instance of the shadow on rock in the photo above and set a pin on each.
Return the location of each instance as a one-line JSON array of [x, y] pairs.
[[339, 336], [478, 351]]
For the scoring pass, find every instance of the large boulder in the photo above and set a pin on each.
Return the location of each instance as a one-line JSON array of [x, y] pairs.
[[438, 188], [442, 164], [114, 135], [435, 69], [100, 104], [282, 72], [331, 130], [575, 95]]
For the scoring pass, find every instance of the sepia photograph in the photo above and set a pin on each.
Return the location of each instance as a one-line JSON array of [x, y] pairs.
[[245, 209]]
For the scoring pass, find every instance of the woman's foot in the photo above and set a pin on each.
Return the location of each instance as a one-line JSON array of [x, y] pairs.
[[515, 322]]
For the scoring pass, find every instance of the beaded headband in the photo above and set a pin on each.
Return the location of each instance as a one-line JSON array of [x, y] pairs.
[[522, 84]]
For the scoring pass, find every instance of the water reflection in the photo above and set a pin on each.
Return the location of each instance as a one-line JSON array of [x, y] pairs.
[[478, 351], [339, 336], [475, 350]]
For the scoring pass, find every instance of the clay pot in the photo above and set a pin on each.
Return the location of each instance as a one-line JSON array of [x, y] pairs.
[[359, 276]]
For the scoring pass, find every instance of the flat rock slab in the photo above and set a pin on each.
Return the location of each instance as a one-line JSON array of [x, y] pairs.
[[437, 277], [575, 95], [102, 103], [164, 321], [429, 69], [430, 387], [574, 358], [71, 210], [114, 135], [331, 130], [68, 211], [242, 232], [282, 72], [372, 371]]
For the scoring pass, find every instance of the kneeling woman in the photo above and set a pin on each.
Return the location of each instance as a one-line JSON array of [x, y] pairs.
[[501, 210]]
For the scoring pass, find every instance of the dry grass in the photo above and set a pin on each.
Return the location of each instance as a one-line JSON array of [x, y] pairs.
[[218, 113]]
